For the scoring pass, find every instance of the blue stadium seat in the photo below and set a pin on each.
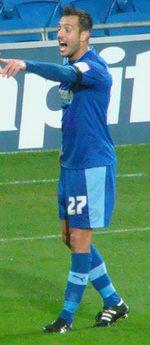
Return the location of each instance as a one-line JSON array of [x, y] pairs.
[[30, 15], [9, 6], [142, 5], [98, 9], [126, 18], [54, 21], [16, 24], [120, 6], [37, 12], [11, 3]]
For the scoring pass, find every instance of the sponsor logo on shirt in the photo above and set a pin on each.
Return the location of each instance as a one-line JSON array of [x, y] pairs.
[[66, 96]]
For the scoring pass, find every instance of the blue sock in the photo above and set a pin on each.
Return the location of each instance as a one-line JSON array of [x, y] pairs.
[[101, 280], [77, 282]]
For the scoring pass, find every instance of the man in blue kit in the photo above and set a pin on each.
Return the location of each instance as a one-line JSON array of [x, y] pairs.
[[86, 192]]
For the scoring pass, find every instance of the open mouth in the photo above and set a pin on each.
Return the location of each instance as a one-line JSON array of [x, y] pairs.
[[62, 46]]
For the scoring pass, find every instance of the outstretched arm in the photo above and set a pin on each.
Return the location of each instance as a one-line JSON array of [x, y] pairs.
[[12, 67], [52, 71]]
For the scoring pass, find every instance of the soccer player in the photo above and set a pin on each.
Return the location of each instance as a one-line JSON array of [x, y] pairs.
[[86, 192]]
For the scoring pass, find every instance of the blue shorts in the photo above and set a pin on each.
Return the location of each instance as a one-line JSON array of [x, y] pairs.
[[87, 197]]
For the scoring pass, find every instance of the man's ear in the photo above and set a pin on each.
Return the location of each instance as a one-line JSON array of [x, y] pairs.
[[84, 36]]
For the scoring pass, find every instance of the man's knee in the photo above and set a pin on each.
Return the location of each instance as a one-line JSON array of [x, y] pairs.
[[80, 240]]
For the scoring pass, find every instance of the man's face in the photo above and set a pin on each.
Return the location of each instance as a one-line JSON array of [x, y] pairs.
[[69, 37]]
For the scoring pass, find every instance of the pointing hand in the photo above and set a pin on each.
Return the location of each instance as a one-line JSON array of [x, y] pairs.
[[12, 67]]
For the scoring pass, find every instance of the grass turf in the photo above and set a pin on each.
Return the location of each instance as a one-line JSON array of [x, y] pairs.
[[34, 267]]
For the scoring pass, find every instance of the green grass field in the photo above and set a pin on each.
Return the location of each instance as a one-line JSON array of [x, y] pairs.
[[34, 263]]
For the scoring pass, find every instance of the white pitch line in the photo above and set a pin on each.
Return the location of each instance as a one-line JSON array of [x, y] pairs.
[[56, 180], [59, 235], [26, 182], [120, 231], [29, 238], [131, 175]]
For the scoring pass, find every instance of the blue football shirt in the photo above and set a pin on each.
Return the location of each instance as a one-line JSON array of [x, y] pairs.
[[86, 141]]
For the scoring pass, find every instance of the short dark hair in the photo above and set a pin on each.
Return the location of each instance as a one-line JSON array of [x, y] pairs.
[[85, 20]]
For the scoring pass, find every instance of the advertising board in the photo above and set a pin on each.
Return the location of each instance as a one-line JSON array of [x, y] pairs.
[[30, 111]]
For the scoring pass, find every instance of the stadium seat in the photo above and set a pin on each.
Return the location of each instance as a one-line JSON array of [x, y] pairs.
[[120, 6], [11, 3], [142, 5], [10, 6], [98, 9], [126, 18], [16, 24], [37, 12], [54, 21]]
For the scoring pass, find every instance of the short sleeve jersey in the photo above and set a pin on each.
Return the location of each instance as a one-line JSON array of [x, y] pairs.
[[86, 141]]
